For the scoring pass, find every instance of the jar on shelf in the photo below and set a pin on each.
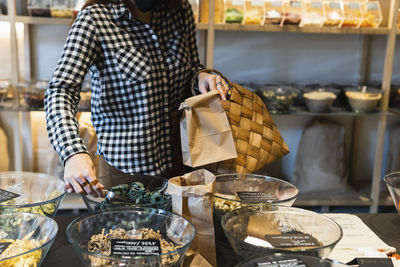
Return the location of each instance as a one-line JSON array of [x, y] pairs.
[[320, 99], [312, 14], [6, 94], [334, 13], [218, 13], [364, 99], [32, 94], [353, 14], [195, 8], [273, 12], [372, 15], [39, 8], [253, 12], [62, 8], [292, 12], [234, 11], [278, 98]]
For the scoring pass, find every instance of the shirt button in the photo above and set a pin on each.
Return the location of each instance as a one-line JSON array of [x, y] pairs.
[[154, 37]]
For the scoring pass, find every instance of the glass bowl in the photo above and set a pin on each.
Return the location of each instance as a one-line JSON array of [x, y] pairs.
[[320, 100], [263, 190], [30, 235], [291, 260], [150, 183], [38, 193], [172, 228], [277, 98], [392, 181], [365, 100], [248, 229]]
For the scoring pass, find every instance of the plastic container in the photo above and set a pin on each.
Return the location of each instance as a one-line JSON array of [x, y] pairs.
[[392, 181], [150, 183], [334, 13], [253, 12], [39, 233], [273, 12], [39, 8], [32, 94], [353, 14], [278, 99], [249, 230], [372, 15], [172, 227], [38, 193], [282, 259], [363, 100], [62, 8], [320, 100], [264, 190], [292, 12], [234, 11], [312, 14]]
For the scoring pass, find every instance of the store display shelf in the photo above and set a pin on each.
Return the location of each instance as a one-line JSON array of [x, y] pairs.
[[296, 29], [339, 199], [42, 20], [4, 18]]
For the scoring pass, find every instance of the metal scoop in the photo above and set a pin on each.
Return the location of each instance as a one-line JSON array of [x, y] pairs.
[[113, 198]]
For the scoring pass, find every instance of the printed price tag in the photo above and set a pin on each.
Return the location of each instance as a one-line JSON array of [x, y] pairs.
[[292, 240], [4, 246], [374, 262], [372, 6], [7, 195], [296, 4], [238, 2], [354, 5], [316, 4], [133, 247], [283, 263], [334, 5], [255, 197]]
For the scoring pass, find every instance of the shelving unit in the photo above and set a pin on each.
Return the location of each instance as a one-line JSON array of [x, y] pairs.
[[207, 38]]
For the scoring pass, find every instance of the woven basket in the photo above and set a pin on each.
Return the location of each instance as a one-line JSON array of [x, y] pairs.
[[257, 139]]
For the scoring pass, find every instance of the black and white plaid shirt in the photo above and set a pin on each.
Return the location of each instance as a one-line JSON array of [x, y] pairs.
[[140, 73]]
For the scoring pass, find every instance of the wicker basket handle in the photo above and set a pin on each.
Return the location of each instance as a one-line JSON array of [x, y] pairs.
[[194, 79]]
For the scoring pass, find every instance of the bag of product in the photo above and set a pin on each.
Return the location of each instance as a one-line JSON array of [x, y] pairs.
[[192, 198], [234, 11], [253, 12], [273, 12], [206, 135]]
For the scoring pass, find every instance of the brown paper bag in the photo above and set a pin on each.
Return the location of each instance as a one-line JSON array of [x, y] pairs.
[[192, 198], [206, 135]]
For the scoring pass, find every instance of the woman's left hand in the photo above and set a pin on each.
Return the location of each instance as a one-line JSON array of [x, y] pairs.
[[208, 82]]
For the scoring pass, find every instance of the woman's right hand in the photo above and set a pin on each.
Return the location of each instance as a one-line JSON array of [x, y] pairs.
[[80, 176]]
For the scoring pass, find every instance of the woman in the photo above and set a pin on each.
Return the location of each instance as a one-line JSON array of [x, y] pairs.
[[142, 56]]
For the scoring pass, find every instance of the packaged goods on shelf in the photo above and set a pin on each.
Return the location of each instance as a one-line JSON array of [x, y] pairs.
[[195, 8], [292, 12], [353, 14], [334, 13], [372, 15], [218, 11], [234, 11], [253, 12], [313, 14], [62, 8], [273, 12], [39, 8]]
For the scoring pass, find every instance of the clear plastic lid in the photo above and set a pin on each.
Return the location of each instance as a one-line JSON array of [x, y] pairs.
[[292, 10], [313, 14], [372, 15], [273, 12], [353, 14], [234, 11], [334, 13], [254, 12]]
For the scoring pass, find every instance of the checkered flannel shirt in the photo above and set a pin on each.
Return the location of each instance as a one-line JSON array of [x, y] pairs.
[[139, 73]]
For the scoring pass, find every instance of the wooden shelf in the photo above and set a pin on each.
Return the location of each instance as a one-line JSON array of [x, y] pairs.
[[42, 20], [296, 29], [4, 18]]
